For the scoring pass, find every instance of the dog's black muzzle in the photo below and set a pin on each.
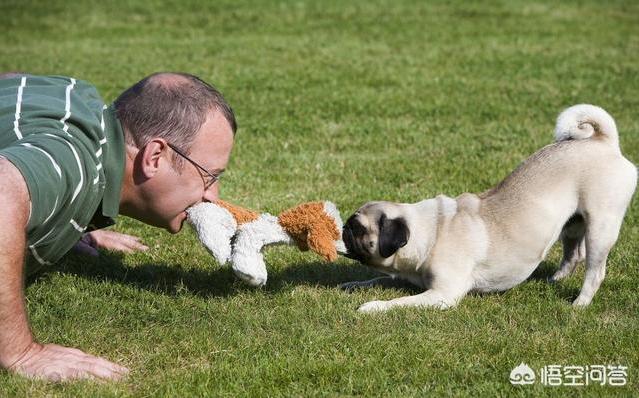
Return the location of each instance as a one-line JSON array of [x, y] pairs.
[[352, 235]]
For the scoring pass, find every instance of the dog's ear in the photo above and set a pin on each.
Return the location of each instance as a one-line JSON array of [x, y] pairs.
[[393, 234]]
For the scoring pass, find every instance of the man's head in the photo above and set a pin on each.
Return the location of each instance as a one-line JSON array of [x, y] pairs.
[[169, 118]]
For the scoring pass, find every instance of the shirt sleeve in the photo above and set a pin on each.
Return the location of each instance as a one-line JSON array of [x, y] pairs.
[[55, 172]]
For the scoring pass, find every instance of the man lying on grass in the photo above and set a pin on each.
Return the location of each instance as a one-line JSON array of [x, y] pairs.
[[69, 164]]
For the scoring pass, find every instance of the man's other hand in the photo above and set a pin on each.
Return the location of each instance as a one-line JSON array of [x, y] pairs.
[[110, 240]]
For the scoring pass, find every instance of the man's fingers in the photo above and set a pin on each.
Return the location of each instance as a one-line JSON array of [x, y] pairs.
[[139, 245], [93, 360], [90, 367], [102, 370], [116, 241], [109, 365], [134, 242], [127, 247]]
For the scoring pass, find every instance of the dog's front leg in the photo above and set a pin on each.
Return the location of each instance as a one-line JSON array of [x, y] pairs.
[[430, 298], [446, 289]]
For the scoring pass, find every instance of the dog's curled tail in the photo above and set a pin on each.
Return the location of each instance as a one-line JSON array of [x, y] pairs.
[[585, 121]]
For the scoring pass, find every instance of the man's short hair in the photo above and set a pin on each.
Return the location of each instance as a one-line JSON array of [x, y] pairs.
[[169, 105]]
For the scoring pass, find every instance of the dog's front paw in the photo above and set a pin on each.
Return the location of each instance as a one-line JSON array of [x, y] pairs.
[[373, 306]]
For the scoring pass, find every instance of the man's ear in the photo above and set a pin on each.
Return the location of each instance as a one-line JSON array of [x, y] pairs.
[[393, 234], [151, 156]]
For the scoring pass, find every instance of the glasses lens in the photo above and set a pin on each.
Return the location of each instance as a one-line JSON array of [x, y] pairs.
[[209, 179]]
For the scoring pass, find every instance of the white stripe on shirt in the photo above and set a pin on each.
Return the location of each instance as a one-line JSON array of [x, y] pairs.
[[51, 214], [102, 120], [67, 106], [43, 238], [16, 122], [77, 160], [76, 226], [53, 162], [37, 257], [103, 140]]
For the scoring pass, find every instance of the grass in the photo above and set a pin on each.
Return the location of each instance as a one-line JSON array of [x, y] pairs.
[[349, 102]]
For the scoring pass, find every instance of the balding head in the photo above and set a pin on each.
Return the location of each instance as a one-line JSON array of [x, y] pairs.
[[169, 79], [169, 105]]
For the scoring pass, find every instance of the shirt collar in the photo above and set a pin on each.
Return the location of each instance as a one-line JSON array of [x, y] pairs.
[[113, 162]]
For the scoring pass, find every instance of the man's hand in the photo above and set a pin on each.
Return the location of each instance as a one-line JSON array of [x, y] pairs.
[[110, 240], [56, 363]]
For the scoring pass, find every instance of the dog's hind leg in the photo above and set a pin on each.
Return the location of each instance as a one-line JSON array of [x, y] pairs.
[[601, 234], [574, 245]]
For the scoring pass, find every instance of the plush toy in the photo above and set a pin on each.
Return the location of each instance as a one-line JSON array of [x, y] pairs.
[[232, 233]]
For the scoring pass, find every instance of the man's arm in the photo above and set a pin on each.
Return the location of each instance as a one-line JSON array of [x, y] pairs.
[[19, 352], [15, 335]]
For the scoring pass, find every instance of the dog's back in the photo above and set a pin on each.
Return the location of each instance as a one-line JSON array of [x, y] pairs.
[[582, 180], [585, 158]]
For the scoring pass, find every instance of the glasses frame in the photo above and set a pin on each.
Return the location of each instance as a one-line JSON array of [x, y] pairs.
[[203, 172]]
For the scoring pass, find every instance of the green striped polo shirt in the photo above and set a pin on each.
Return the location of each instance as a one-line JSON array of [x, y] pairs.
[[69, 147]]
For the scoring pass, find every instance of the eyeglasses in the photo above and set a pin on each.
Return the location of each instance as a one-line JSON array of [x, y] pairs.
[[208, 178]]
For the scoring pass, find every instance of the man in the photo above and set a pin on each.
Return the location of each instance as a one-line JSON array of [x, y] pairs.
[[69, 164]]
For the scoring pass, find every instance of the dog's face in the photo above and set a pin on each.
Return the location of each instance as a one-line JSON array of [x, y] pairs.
[[375, 233]]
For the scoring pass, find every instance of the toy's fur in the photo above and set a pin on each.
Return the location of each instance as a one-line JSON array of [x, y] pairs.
[[240, 214], [247, 260], [315, 225], [215, 226], [312, 228]]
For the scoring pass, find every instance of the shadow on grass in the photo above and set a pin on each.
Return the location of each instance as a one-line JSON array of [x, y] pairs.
[[329, 275], [174, 279], [157, 277], [545, 271]]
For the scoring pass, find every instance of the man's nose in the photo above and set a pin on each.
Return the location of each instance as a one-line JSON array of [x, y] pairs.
[[212, 194]]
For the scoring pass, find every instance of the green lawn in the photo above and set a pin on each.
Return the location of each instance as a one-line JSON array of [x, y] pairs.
[[349, 102]]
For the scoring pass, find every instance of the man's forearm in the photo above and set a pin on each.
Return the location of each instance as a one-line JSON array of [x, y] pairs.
[[15, 335]]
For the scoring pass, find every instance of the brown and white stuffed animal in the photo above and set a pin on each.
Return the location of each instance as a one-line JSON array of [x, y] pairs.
[[237, 234]]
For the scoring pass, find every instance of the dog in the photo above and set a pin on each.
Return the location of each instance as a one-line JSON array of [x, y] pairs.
[[576, 189]]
